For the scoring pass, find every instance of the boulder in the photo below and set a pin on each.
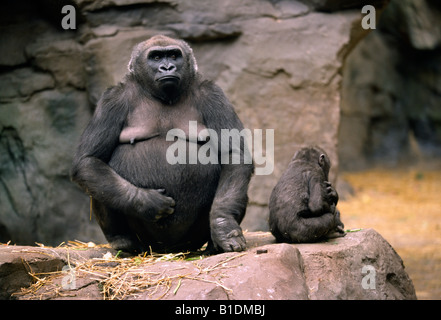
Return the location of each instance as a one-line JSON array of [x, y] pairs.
[[361, 265]]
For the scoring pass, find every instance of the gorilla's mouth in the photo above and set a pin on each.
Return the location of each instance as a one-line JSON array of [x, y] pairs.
[[168, 78]]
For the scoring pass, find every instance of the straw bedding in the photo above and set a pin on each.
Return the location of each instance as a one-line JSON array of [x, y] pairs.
[[150, 274]]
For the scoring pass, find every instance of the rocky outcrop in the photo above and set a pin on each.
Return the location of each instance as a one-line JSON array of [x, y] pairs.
[[21, 265], [390, 90], [361, 265], [278, 61]]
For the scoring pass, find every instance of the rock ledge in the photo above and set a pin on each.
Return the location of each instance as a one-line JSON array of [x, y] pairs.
[[361, 265]]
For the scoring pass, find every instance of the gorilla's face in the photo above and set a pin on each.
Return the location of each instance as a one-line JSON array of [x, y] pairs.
[[166, 65]]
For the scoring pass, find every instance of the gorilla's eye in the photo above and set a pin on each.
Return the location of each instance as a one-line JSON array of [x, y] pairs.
[[175, 54], [155, 55]]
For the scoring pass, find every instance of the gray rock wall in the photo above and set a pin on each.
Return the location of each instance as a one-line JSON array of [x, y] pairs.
[[391, 89], [278, 61]]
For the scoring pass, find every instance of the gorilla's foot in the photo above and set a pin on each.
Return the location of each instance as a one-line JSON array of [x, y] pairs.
[[125, 244]]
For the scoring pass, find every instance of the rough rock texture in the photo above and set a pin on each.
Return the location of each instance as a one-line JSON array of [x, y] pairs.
[[278, 61], [19, 263], [328, 270], [391, 88]]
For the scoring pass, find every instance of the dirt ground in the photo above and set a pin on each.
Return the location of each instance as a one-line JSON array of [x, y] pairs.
[[404, 205]]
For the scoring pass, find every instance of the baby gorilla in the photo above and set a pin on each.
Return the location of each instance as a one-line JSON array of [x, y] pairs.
[[303, 203]]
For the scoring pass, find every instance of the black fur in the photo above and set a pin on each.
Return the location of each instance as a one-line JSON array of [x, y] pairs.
[[303, 203], [139, 199]]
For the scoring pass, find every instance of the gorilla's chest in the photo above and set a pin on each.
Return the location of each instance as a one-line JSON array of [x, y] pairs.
[[141, 156], [147, 121]]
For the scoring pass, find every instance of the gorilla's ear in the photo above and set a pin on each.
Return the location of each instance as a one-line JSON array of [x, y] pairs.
[[193, 59], [322, 160], [135, 54], [130, 65], [189, 51]]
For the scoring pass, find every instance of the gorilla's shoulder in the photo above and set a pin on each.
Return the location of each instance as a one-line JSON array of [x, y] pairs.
[[114, 91], [127, 83], [211, 92], [122, 91], [209, 87], [213, 100]]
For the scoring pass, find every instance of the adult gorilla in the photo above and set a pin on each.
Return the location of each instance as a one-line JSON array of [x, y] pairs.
[[139, 199]]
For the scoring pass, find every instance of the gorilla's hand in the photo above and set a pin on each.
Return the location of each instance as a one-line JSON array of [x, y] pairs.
[[332, 195], [152, 204], [227, 238]]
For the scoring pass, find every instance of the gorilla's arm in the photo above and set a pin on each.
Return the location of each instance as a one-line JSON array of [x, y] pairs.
[[229, 204], [90, 165], [332, 195], [90, 169], [318, 196]]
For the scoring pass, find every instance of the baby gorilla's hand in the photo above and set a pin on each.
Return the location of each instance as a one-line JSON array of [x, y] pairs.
[[332, 194]]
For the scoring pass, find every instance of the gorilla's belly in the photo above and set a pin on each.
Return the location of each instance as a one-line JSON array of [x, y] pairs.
[[192, 186]]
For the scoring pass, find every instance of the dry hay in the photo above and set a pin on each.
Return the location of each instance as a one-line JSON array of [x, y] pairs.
[[119, 278]]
